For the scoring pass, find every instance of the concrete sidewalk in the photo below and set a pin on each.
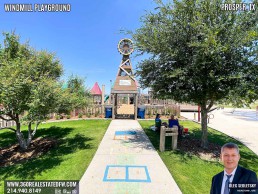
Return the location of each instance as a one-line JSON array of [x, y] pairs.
[[127, 163], [242, 124]]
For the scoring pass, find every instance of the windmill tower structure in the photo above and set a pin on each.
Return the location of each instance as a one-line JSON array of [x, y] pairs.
[[125, 86]]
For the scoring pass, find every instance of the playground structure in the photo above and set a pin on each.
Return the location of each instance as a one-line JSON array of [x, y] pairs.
[[96, 94], [125, 86], [125, 100]]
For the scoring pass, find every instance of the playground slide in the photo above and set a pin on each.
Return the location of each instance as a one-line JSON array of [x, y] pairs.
[[106, 98]]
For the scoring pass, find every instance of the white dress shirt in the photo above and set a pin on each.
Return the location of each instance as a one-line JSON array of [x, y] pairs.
[[225, 179]]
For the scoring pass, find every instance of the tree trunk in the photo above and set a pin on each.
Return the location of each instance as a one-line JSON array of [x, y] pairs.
[[29, 139], [22, 142], [204, 113]]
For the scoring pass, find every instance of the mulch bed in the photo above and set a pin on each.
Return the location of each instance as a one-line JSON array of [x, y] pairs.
[[193, 146], [13, 154]]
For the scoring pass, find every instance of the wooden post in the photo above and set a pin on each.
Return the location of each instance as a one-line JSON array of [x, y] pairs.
[[199, 113], [162, 139], [135, 106], [174, 141], [113, 107], [102, 100]]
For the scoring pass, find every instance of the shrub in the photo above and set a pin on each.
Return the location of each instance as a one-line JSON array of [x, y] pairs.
[[68, 116], [169, 110], [149, 112], [80, 115]]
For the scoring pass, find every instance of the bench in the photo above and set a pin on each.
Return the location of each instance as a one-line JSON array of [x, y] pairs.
[[173, 132]]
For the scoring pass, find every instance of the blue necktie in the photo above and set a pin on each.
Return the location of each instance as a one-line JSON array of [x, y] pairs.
[[226, 189]]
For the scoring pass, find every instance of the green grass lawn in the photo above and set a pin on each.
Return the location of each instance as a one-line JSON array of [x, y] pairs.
[[78, 142], [191, 173]]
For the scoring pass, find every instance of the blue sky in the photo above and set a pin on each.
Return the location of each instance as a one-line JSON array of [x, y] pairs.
[[85, 39]]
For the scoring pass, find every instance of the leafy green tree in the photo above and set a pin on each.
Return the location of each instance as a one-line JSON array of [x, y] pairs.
[[199, 53], [75, 96], [29, 88], [76, 86]]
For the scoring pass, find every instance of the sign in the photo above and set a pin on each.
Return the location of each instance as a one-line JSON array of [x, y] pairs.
[[124, 82]]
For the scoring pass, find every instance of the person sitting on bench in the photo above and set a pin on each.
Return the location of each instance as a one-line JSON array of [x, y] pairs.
[[172, 121], [158, 122]]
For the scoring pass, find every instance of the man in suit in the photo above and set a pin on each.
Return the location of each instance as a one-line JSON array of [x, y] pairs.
[[227, 181]]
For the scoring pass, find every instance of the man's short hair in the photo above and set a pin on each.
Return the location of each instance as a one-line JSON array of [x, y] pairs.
[[230, 146]]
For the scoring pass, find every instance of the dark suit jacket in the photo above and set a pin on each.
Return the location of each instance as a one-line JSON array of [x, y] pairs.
[[242, 176]]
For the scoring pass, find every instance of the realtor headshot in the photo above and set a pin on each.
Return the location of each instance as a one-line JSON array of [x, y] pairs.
[[229, 179]]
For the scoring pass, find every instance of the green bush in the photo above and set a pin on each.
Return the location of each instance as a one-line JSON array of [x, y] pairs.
[[169, 110], [57, 117], [68, 116], [149, 112], [80, 115]]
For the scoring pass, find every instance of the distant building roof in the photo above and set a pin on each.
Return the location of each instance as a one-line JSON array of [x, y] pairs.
[[96, 90]]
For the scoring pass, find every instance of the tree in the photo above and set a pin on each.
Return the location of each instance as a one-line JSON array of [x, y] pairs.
[[199, 53], [82, 95], [75, 95], [29, 88]]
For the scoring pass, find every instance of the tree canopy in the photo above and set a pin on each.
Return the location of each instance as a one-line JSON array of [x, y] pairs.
[[75, 95], [199, 53], [29, 86], [76, 86]]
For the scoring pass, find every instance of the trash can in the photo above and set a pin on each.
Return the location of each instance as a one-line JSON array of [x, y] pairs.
[[108, 111], [141, 112]]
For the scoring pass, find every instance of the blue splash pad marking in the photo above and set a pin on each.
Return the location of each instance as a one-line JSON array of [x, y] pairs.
[[125, 133], [126, 178]]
